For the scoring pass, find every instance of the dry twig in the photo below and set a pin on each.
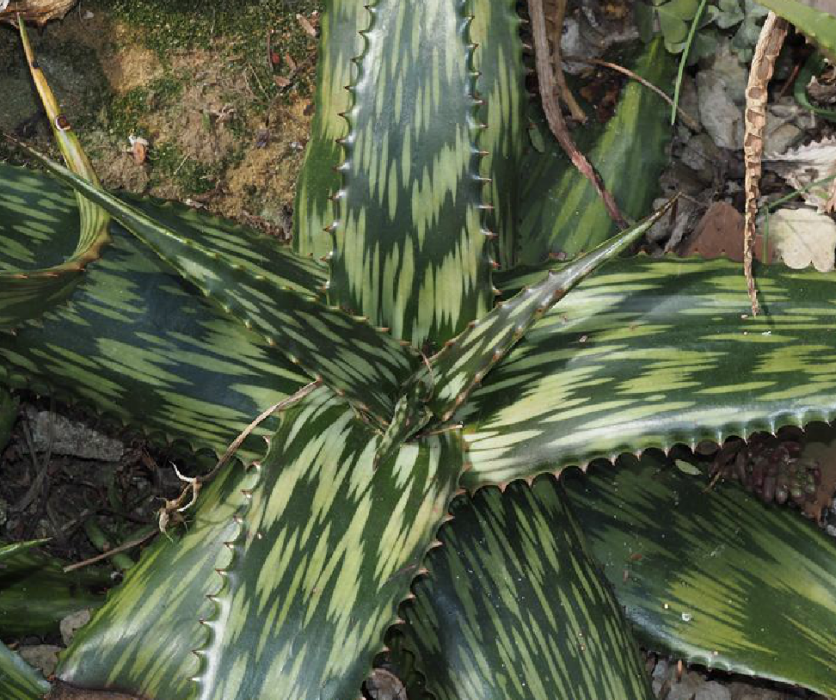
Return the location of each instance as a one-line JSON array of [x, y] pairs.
[[769, 45], [562, 87], [554, 116], [690, 122]]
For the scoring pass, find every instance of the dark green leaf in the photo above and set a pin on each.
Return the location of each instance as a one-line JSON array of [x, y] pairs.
[[515, 608], [36, 594], [713, 576]]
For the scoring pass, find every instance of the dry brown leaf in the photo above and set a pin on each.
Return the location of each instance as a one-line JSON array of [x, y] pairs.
[[37, 11], [719, 234], [306, 25]]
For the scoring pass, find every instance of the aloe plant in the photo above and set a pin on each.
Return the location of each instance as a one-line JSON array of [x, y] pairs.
[[408, 493]]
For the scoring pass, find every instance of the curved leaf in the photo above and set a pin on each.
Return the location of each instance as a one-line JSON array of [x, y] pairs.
[[18, 680], [314, 549], [649, 353], [138, 344], [515, 608], [351, 356], [714, 576], [26, 290], [560, 211], [410, 246]]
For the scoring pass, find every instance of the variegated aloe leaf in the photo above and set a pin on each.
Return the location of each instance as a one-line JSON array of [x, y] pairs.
[[27, 288], [36, 594], [411, 247], [340, 42], [18, 680], [816, 24], [465, 361], [138, 344], [649, 353], [503, 139], [712, 575], [313, 550], [515, 607], [355, 359], [560, 211]]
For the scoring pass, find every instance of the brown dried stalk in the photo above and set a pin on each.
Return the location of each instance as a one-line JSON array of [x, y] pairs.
[[554, 116], [769, 45]]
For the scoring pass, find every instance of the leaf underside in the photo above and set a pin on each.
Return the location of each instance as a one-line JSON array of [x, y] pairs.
[[649, 353], [515, 608], [713, 576], [818, 25], [138, 344], [320, 548]]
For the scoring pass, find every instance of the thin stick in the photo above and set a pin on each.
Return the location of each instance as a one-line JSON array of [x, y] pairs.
[[690, 122], [769, 45], [116, 550], [562, 86], [555, 117]]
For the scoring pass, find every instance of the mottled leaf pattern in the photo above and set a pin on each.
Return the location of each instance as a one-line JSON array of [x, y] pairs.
[[27, 290], [340, 42], [649, 353], [315, 547], [560, 212], [18, 680], [466, 360], [138, 344], [712, 575], [411, 249], [351, 356], [515, 608]]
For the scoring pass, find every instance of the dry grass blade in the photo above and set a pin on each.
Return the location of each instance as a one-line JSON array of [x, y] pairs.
[[558, 16], [769, 45]]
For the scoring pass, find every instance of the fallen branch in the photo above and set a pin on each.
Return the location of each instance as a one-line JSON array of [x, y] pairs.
[[564, 92]]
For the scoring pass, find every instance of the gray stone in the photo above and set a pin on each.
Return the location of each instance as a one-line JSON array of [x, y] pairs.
[[44, 657], [72, 623], [687, 687], [713, 691], [70, 438]]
